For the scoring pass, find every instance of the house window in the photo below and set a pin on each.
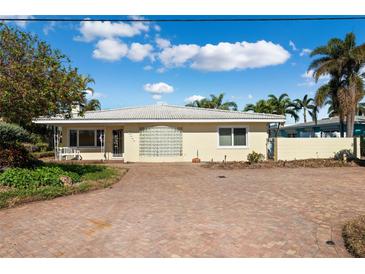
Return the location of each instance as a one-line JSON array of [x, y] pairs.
[[232, 137], [85, 137], [73, 138], [160, 141]]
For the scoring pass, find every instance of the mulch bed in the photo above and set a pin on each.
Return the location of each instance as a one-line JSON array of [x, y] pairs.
[[354, 236], [311, 163]]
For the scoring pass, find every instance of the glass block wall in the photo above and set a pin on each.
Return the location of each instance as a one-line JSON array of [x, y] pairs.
[[160, 141]]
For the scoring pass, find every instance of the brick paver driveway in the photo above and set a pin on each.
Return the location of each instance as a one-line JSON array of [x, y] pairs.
[[185, 210]]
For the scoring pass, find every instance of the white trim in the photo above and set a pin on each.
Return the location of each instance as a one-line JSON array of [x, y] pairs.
[[232, 127], [77, 140], [137, 121]]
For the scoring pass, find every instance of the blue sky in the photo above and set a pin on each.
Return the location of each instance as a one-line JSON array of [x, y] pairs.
[[148, 63]]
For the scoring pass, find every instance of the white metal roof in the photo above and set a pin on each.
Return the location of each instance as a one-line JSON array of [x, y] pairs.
[[323, 122], [162, 113]]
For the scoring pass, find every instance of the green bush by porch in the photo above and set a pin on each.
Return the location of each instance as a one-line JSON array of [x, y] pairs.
[[20, 185]]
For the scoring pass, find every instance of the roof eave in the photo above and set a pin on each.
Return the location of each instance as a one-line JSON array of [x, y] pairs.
[[139, 121]]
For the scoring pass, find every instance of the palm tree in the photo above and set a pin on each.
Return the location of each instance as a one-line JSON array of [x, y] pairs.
[[327, 95], [360, 109], [215, 102], [343, 60], [313, 112], [261, 106], [86, 80], [282, 105], [93, 104], [303, 104], [202, 103]]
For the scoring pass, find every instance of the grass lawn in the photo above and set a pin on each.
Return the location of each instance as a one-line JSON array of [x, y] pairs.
[[15, 189]]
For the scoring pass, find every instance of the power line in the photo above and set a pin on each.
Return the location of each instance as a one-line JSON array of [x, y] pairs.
[[237, 19]]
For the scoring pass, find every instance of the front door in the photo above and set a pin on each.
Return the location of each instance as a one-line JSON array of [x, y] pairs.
[[118, 148]]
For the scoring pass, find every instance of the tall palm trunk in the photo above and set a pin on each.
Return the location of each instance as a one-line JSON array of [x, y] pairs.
[[352, 104], [342, 126], [305, 114], [277, 130], [350, 124]]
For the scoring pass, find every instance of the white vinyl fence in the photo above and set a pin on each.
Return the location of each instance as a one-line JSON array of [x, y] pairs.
[[313, 148]]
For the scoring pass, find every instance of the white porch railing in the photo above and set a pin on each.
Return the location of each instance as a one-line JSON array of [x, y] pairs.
[[62, 153]]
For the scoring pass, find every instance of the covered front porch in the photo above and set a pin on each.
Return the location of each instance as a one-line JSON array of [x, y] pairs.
[[88, 142]]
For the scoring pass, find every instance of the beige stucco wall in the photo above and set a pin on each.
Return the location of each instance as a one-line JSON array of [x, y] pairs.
[[201, 137], [308, 148]]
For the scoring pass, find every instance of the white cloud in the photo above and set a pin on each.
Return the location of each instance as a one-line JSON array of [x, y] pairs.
[[110, 50], [98, 95], [158, 88], [308, 74], [157, 96], [162, 43], [178, 55], [292, 45], [161, 70], [91, 30], [250, 96], [161, 103], [94, 95], [309, 79], [89, 93], [225, 56], [21, 24], [193, 98], [138, 52], [49, 27], [148, 67], [114, 50], [305, 52]]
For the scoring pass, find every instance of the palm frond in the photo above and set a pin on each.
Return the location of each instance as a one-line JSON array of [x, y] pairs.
[[321, 94]]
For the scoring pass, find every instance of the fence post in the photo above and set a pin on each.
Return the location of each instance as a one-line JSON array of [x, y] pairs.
[[275, 148], [357, 149]]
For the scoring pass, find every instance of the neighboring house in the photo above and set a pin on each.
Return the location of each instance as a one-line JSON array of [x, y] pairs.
[[328, 127], [163, 133]]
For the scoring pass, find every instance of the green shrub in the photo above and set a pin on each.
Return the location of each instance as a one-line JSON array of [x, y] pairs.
[[15, 155], [36, 138], [345, 154], [44, 154], [12, 154], [255, 157], [353, 234], [38, 147], [42, 147], [79, 169], [34, 178], [11, 133]]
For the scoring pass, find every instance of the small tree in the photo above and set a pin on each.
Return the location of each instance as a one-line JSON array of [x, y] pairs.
[[35, 80]]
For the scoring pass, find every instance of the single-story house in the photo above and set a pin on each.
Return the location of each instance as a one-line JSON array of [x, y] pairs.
[[327, 127], [162, 133]]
